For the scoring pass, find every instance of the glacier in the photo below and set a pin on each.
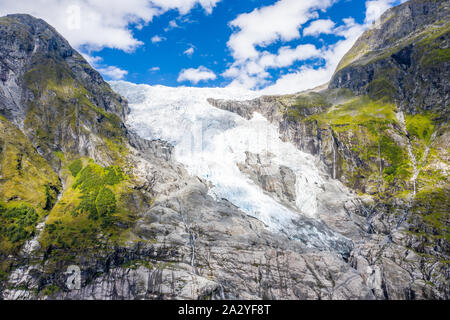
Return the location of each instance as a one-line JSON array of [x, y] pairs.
[[210, 142]]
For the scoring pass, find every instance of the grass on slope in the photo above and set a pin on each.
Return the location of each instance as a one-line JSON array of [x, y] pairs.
[[63, 108], [28, 188], [92, 210], [369, 129]]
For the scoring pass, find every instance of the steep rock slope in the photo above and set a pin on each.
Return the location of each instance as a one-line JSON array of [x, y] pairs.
[[404, 56], [381, 127], [78, 188]]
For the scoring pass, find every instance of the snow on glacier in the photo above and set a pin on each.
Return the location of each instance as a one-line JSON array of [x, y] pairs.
[[210, 142]]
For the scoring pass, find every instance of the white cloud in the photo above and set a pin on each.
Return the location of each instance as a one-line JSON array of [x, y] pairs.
[[91, 25], [156, 39], [184, 6], [308, 77], [253, 73], [263, 26], [375, 8], [319, 27], [303, 79], [189, 52], [287, 56], [113, 73], [196, 75], [92, 60], [95, 24], [154, 69], [172, 25], [282, 22]]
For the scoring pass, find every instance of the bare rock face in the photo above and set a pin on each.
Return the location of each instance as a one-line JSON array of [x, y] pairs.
[[178, 242], [383, 252], [402, 55], [27, 43], [46, 84], [195, 247], [398, 64], [279, 180]]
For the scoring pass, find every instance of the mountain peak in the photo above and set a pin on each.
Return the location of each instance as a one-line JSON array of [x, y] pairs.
[[403, 57], [28, 43], [341, 192]]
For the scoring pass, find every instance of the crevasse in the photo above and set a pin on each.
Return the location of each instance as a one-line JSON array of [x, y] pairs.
[[210, 142]]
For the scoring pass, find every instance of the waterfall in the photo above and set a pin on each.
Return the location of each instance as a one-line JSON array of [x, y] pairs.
[[401, 118]]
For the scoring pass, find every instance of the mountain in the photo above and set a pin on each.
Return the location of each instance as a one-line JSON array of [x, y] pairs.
[[79, 188], [345, 197], [381, 127], [404, 57]]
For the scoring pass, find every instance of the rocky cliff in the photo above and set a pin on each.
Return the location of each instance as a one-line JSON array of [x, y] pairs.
[[381, 127], [404, 56], [79, 188]]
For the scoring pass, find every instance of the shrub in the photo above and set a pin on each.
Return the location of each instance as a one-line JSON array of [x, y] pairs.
[[90, 179], [113, 175], [105, 202], [97, 200], [75, 167], [18, 223]]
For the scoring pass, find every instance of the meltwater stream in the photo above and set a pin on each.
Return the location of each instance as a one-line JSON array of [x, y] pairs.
[[211, 142]]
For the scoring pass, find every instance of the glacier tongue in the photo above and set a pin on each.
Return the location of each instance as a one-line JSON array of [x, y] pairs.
[[211, 142]]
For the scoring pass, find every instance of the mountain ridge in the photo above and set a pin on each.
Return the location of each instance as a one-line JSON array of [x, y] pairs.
[[404, 56], [140, 227], [387, 143], [131, 218]]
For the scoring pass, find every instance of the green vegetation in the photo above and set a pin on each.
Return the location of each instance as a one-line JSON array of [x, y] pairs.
[[94, 208], [420, 126], [76, 167], [26, 176], [135, 264], [301, 105], [436, 57], [72, 109], [381, 88], [17, 224], [3, 275], [105, 203], [368, 126], [433, 46], [399, 167], [50, 290], [28, 187], [309, 100], [431, 213], [90, 208], [370, 130], [60, 155], [365, 126], [97, 200], [98, 205], [360, 111]]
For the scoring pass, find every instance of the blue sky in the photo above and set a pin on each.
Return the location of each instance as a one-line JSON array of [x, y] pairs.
[[277, 46]]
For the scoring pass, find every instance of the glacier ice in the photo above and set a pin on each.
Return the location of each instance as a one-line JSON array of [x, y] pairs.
[[210, 142]]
